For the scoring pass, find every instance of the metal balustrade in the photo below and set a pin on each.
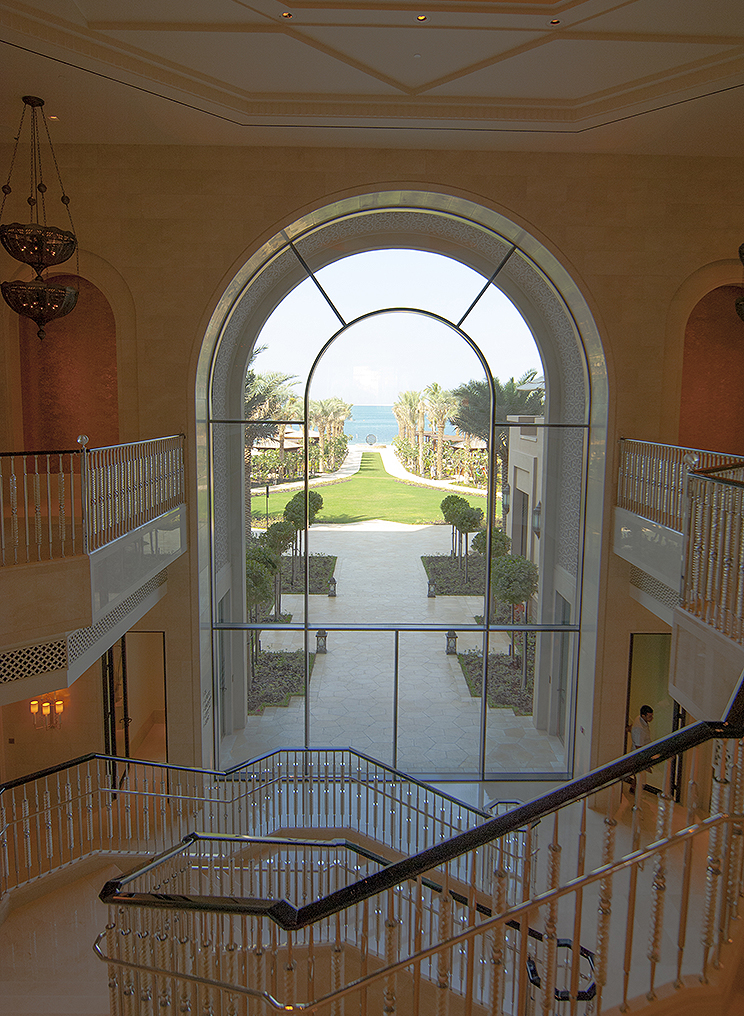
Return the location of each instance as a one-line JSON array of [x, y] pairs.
[[249, 926], [102, 805], [423, 906], [700, 494], [40, 506], [651, 478], [713, 580], [129, 485], [57, 504]]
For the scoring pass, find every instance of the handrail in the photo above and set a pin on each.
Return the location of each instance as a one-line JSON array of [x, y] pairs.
[[709, 473], [234, 770], [292, 918], [507, 917], [43, 451], [93, 756]]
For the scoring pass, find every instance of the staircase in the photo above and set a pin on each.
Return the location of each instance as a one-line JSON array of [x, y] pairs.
[[323, 881]]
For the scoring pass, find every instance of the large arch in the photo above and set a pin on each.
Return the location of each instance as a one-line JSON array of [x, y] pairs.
[[533, 279]]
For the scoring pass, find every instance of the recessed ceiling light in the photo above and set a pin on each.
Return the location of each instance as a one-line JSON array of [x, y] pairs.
[[416, 56], [555, 21], [53, 117], [421, 17], [286, 14]]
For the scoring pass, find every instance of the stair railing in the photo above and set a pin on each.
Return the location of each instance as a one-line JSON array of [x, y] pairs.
[[449, 920]]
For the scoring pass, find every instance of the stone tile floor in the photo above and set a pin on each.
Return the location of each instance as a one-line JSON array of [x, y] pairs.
[[380, 579]]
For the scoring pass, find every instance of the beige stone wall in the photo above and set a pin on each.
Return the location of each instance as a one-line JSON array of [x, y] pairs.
[[164, 229]]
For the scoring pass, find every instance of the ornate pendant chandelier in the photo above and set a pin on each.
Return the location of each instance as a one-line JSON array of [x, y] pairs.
[[35, 243]]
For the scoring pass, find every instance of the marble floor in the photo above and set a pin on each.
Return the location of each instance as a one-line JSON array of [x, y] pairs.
[[380, 579], [47, 963]]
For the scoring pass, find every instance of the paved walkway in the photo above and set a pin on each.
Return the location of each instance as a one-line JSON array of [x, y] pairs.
[[381, 580]]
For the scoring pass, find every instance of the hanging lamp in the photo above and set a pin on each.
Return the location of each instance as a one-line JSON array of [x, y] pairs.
[[35, 243]]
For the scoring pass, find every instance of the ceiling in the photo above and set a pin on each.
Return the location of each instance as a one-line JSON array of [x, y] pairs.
[[636, 76]]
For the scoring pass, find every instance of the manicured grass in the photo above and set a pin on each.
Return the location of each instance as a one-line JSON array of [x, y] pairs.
[[369, 494]]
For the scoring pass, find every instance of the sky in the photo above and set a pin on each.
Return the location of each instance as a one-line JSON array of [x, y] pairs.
[[375, 359]]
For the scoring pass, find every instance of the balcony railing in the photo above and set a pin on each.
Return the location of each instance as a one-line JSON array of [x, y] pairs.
[[700, 494], [713, 582], [57, 504], [651, 479]]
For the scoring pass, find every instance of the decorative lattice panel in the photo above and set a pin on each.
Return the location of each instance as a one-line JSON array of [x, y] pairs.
[[80, 641], [32, 660], [647, 584]]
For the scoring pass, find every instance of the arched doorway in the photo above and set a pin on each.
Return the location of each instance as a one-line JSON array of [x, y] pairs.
[[486, 242]]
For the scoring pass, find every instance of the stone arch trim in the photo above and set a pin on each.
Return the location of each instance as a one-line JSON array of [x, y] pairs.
[[540, 286]]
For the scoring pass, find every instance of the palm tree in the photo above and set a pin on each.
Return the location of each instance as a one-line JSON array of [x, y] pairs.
[[290, 408], [263, 397], [321, 412], [420, 427], [473, 409], [405, 411], [440, 405]]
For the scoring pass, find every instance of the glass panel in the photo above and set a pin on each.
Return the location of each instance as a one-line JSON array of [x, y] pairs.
[[438, 719], [351, 692], [529, 701], [381, 549], [400, 278]]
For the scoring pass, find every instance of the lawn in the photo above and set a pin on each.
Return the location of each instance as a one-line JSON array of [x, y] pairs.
[[372, 493]]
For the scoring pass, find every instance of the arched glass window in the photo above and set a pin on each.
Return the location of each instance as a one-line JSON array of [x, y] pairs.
[[384, 632]]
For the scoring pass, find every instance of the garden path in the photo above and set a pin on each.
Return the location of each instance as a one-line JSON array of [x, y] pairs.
[[380, 577]]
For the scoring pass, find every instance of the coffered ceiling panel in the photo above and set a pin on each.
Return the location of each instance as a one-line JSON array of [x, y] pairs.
[[271, 63], [604, 75], [573, 69], [416, 58]]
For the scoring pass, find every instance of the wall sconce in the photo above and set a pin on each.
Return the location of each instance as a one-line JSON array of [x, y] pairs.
[[505, 499], [46, 715], [536, 513]]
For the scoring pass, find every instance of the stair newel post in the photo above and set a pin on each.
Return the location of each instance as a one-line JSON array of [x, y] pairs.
[[417, 938], [551, 936], [184, 953], [730, 752], [391, 954], [578, 904], [113, 978], [311, 962], [128, 987], [444, 955], [713, 873], [289, 970], [520, 972], [658, 886], [604, 907], [737, 858], [498, 906], [337, 957]]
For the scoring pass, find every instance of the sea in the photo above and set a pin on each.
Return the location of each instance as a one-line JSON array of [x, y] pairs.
[[371, 422], [375, 425]]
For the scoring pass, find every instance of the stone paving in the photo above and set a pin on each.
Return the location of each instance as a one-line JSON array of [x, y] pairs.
[[380, 579]]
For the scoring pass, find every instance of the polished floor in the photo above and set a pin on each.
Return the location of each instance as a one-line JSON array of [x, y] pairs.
[[47, 963]]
